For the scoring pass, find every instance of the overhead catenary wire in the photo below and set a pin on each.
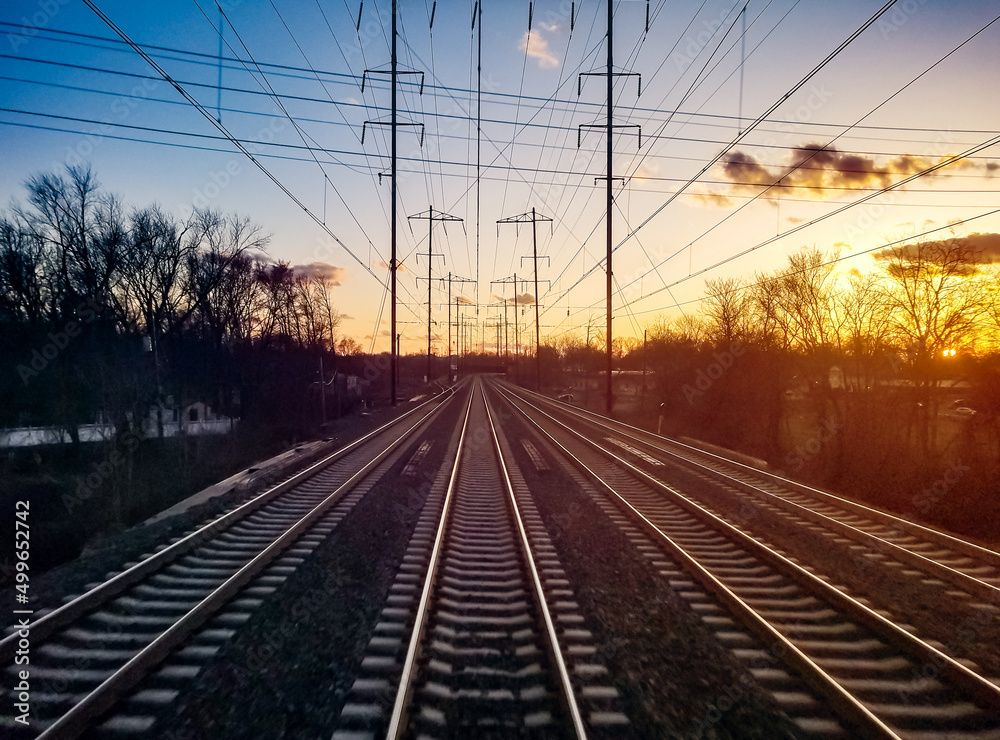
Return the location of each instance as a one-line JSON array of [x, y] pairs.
[[207, 114], [930, 170], [743, 134], [537, 121]]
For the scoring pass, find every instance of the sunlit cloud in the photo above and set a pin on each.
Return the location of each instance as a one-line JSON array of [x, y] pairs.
[[400, 267], [321, 271], [536, 47], [713, 199], [523, 299], [646, 171]]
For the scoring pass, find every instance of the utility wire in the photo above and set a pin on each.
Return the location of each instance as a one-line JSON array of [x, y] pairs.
[[201, 109], [742, 135]]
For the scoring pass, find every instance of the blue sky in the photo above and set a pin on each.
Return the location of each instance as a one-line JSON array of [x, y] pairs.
[[92, 89]]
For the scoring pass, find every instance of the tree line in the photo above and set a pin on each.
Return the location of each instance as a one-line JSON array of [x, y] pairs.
[[107, 308], [850, 380]]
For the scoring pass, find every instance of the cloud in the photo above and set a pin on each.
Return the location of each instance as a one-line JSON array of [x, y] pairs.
[[744, 169], [646, 171], [975, 249], [817, 172], [714, 199], [321, 271], [535, 46], [400, 267], [465, 301], [523, 299]]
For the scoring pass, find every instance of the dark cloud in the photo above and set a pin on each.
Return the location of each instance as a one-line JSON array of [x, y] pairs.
[[744, 169], [321, 271], [465, 301], [819, 172], [974, 249]]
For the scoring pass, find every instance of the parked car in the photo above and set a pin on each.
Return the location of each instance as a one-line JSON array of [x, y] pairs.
[[965, 411]]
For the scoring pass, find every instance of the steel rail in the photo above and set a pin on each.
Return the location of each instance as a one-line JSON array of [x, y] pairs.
[[974, 586], [979, 687], [965, 547], [397, 722], [79, 718], [555, 653], [72, 610]]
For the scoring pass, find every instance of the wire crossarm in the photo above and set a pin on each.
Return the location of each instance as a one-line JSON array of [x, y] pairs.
[[579, 130], [365, 125], [581, 75], [364, 76]]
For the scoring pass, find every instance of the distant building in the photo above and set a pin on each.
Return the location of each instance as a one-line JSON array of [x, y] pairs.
[[193, 419]]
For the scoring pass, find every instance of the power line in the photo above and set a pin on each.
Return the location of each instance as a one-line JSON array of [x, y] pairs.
[[930, 170], [742, 135], [201, 109]]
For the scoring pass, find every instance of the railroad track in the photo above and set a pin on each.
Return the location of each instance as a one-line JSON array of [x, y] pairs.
[[481, 636], [816, 648], [926, 552], [158, 622]]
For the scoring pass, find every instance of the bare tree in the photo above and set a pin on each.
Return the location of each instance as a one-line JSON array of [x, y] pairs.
[[153, 271], [348, 346], [215, 242], [726, 310], [805, 301], [22, 282], [83, 233], [936, 305], [331, 317], [864, 325]]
